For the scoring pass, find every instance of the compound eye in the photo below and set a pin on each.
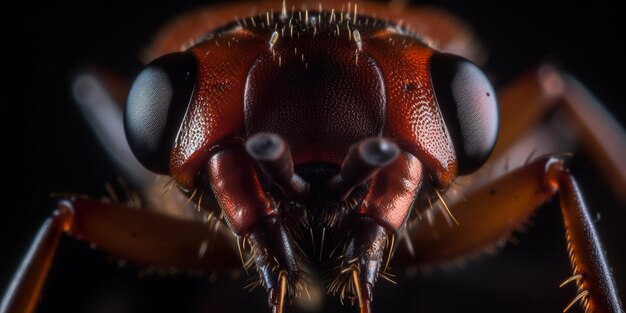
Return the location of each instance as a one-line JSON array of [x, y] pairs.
[[468, 105], [156, 106]]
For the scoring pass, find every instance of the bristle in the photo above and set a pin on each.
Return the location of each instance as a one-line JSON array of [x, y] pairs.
[[580, 297], [111, 193]]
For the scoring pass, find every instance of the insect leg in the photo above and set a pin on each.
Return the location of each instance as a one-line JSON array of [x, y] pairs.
[[506, 204], [24, 289], [103, 112], [100, 96], [526, 101], [142, 237], [596, 286]]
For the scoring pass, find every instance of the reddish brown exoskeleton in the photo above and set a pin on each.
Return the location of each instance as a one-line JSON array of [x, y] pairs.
[[315, 132]]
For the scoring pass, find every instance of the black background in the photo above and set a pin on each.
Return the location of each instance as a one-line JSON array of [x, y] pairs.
[[50, 148]]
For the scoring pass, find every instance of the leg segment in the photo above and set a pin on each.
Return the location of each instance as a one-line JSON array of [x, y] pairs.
[[491, 213], [100, 95], [24, 290], [586, 253], [103, 112], [525, 102], [139, 236]]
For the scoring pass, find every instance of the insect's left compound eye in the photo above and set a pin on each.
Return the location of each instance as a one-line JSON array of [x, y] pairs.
[[156, 106], [468, 105]]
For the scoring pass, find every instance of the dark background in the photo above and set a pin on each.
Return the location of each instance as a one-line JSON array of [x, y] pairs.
[[51, 149]]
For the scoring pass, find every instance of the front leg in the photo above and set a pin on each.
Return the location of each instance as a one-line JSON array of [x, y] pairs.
[[140, 236], [251, 214], [25, 287], [597, 291], [491, 213], [525, 102]]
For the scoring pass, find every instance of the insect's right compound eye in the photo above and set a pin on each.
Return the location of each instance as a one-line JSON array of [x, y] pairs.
[[156, 106]]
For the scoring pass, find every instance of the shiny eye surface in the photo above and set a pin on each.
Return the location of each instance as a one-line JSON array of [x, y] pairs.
[[156, 106], [469, 108]]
